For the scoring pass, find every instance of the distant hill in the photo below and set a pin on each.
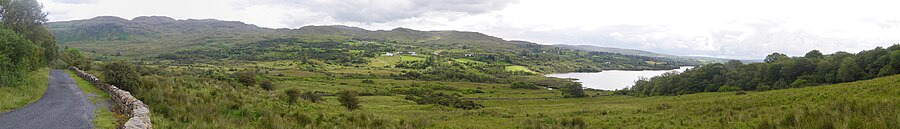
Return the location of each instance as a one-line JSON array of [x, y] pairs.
[[150, 36], [641, 53]]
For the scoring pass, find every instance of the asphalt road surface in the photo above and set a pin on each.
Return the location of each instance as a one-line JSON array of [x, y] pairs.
[[63, 106]]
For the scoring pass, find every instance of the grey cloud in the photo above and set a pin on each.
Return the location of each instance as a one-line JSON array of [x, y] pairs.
[[75, 1], [763, 38], [378, 11]]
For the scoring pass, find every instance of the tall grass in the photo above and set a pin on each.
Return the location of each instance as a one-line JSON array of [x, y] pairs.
[[193, 102], [196, 102], [31, 89]]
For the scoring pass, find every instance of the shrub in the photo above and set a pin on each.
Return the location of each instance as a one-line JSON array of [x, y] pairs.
[[311, 96], [367, 81], [729, 88], [524, 85], [573, 90], [74, 57], [800, 83], [248, 78], [348, 99], [560, 123], [267, 85], [59, 64], [292, 95], [763, 87], [443, 99], [122, 74], [17, 55]]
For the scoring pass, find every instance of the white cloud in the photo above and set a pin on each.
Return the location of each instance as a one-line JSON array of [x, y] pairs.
[[721, 28]]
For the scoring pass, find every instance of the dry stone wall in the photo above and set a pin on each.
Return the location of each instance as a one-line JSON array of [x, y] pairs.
[[138, 113]]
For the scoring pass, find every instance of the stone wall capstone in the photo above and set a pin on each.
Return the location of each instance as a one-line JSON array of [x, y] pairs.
[[138, 113]]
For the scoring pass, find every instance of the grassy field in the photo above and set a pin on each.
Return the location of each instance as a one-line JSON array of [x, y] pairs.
[[382, 61], [519, 68], [17, 96], [190, 102], [464, 60], [864, 104], [103, 117]]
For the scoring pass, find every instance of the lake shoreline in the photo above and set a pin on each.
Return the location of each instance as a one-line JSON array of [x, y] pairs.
[[610, 80]]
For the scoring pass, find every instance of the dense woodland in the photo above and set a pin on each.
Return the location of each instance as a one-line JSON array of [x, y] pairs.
[[777, 72]]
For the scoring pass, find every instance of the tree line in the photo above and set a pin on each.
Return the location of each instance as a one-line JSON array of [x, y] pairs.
[[778, 71]]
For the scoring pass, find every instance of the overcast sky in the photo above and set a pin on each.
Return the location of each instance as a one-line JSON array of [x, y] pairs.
[[747, 29]]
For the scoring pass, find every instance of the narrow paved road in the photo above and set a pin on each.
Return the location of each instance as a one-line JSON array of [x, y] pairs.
[[63, 106]]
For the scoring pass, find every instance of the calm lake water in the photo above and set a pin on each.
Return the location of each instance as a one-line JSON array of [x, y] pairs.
[[613, 79]]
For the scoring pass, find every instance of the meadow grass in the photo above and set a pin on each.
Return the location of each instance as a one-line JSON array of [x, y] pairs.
[[518, 68], [32, 88], [103, 117], [866, 104], [466, 60], [382, 61], [195, 102]]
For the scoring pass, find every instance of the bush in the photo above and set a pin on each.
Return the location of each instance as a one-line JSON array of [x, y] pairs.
[[292, 95], [572, 90], [311, 96], [729, 88], [59, 64], [444, 99], [801, 83], [524, 85], [267, 85], [122, 74], [763, 87], [248, 78], [74, 57], [348, 99], [561, 123], [16, 56], [367, 81]]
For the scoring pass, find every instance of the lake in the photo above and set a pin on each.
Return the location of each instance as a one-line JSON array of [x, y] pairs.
[[613, 79]]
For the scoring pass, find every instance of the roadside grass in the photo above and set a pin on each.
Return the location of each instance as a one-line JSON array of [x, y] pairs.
[[14, 97], [103, 117]]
